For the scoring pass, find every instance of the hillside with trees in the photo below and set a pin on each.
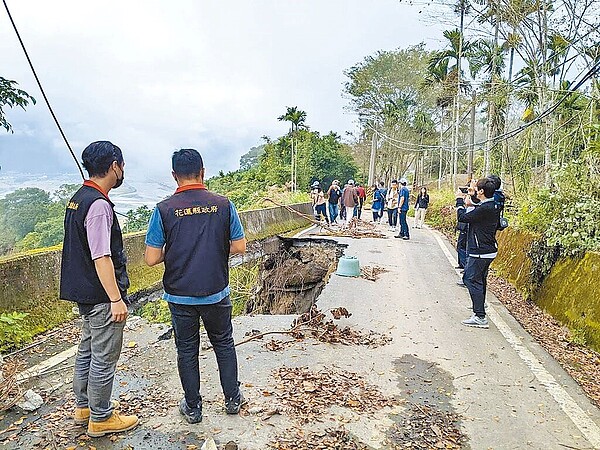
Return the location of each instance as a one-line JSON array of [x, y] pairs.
[[513, 91]]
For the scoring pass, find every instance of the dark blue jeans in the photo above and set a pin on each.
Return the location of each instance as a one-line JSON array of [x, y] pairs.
[[217, 323], [333, 211], [475, 278], [393, 217], [403, 224], [461, 249], [321, 210]]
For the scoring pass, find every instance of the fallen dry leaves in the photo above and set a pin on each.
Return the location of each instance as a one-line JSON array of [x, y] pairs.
[[582, 363], [313, 324], [331, 438], [306, 395], [424, 428]]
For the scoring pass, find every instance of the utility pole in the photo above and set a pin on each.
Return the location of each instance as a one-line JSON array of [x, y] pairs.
[[472, 139], [372, 159], [457, 100], [441, 148], [491, 100]]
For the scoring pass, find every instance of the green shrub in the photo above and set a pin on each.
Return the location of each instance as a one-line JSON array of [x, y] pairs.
[[243, 280], [156, 312], [567, 213], [12, 331], [441, 213]]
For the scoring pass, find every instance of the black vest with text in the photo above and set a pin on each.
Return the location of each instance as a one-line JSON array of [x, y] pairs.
[[79, 281], [196, 227]]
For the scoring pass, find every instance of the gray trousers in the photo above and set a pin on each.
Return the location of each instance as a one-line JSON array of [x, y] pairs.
[[96, 361]]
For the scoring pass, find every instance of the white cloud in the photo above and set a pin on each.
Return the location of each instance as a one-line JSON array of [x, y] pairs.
[[153, 76]]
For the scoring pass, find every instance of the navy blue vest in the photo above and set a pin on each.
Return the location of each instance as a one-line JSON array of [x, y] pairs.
[[79, 281], [196, 226]]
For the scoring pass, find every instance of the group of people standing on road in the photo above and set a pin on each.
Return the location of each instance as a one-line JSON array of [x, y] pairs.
[[348, 202], [192, 232], [343, 202]]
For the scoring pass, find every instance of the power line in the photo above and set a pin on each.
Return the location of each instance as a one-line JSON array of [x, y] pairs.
[[505, 136], [42, 90]]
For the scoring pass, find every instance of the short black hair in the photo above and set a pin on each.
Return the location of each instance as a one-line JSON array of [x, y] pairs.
[[381, 183], [187, 162], [496, 179], [98, 157], [488, 186], [394, 181]]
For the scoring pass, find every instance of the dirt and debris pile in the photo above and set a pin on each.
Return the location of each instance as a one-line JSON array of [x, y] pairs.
[[314, 324], [424, 428], [292, 278], [10, 392], [356, 229], [372, 273], [306, 395], [331, 438]]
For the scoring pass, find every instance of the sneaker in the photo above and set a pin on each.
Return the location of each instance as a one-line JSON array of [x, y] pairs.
[[406, 238], [461, 284], [116, 423], [233, 406], [82, 415], [397, 236], [191, 415], [476, 322]]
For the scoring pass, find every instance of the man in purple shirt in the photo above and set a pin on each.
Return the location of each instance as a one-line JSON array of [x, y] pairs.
[[94, 275]]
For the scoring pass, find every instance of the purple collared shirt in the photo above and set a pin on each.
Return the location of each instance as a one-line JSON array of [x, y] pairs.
[[98, 222]]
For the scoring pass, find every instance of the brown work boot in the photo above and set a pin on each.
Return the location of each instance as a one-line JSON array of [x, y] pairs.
[[82, 415], [114, 424]]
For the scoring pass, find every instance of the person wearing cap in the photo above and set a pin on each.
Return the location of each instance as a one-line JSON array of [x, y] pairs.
[[403, 205], [193, 232], [350, 199], [93, 275], [318, 201], [333, 198]]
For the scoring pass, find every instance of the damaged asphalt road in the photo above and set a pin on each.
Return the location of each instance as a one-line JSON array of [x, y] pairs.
[[435, 383]]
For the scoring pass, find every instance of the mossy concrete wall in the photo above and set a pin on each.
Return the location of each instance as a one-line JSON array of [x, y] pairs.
[[570, 292], [29, 282]]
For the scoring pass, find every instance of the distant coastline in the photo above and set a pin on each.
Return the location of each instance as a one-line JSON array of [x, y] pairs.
[[133, 194]]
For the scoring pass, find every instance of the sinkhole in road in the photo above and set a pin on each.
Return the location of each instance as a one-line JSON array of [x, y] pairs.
[[291, 273]]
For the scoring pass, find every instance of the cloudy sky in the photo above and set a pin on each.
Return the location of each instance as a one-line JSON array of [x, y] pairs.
[[155, 75]]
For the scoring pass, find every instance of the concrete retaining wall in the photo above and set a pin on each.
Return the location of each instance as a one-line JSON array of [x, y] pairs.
[[570, 293], [29, 282]]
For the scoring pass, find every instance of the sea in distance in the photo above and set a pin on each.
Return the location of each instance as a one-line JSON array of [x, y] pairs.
[[132, 194]]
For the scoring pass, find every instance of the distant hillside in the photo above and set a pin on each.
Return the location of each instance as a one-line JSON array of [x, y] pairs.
[[251, 158]]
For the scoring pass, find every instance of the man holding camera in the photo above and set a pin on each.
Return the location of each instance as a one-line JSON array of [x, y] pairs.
[[482, 247]]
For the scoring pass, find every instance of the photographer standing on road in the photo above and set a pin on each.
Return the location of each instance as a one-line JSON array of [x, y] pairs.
[[481, 245]]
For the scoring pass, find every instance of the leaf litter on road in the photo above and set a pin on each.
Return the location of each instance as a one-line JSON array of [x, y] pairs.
[[306, 395]]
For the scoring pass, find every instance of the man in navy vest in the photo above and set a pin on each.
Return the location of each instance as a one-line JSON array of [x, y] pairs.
[[93, 275], [193, 232]]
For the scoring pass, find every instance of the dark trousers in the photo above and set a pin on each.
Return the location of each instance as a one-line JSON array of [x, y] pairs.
[[321, 210], [217, 323], [359, 207], [403, 224], [461, 249], [475, 278], [393, 217]]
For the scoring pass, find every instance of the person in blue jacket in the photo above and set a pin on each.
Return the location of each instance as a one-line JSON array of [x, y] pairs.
[[378, 202]]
